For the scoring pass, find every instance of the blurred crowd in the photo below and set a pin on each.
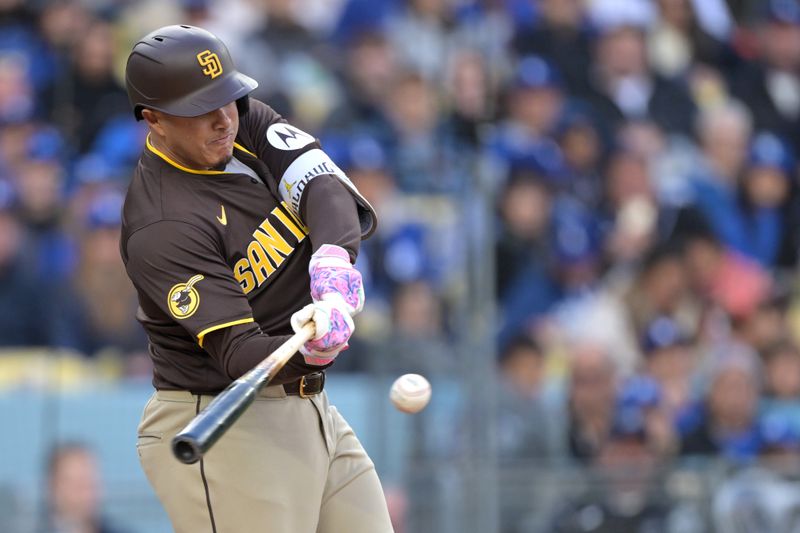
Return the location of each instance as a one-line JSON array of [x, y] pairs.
[[639, 157]]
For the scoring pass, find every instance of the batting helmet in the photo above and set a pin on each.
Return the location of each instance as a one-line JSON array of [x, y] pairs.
[[184, 71]]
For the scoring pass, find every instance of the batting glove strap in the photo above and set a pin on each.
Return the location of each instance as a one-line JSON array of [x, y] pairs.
[[331, 273], [333, 329], [321, 358]]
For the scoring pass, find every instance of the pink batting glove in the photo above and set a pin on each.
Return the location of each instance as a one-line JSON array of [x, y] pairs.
[[334, 327], [331, 273]]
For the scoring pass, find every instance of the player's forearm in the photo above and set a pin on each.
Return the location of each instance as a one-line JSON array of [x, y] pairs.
[[329, 211], [239, 348]]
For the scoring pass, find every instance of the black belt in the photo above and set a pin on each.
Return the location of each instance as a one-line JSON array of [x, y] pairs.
[[308, 385]]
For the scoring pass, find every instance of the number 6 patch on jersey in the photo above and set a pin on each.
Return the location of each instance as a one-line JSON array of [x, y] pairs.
[[183, 298]]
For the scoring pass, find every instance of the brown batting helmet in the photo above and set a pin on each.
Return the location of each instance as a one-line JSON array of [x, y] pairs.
[[184, 71]]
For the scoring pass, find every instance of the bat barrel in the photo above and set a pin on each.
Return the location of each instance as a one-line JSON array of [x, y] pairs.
[[204, 430]]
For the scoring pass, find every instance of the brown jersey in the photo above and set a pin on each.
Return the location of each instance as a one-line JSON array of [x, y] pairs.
[[223, 254]]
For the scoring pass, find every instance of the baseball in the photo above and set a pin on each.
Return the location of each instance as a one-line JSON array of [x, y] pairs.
[[410, 393]]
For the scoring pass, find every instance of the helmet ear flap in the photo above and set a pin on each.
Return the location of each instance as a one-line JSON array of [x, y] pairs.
[[243, 104]]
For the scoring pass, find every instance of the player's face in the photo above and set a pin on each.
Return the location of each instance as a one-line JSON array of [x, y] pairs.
[[201, 142]]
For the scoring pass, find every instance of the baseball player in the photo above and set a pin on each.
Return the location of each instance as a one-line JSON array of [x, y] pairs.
[[237, 230]]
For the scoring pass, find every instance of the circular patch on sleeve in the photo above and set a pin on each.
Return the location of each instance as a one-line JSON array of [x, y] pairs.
[[286, 137], [183, 298]]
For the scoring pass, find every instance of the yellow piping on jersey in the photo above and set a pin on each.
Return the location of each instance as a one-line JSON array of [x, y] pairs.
[[206, 331], [177, 165], [243, 149], [166, 158]]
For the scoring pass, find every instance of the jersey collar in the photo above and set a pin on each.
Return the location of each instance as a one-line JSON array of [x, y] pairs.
[[177, 165]]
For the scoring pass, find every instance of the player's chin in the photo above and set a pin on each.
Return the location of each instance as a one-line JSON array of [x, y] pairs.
[[221, 157]]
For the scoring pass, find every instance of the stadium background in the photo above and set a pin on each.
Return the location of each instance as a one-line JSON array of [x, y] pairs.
[[589, 239]]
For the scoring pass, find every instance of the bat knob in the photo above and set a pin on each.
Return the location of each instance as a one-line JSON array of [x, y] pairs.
[[186, 450]]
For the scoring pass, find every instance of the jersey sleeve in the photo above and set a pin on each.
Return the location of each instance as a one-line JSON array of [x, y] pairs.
[[295, 158], [179, 270], [330, 214], [239, 348]]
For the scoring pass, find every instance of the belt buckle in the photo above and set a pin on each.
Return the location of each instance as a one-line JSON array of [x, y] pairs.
[[301, 389]]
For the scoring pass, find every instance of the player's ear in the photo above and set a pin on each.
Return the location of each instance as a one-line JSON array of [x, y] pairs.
[[153, 120]]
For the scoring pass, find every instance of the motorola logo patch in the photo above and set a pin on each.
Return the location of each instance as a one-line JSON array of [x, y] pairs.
[[286, 137]]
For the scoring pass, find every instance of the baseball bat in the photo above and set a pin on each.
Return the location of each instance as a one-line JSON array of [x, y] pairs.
[[199, 435]]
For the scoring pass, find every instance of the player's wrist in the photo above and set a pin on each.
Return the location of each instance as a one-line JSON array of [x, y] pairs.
[[332, 273], [329, 255], [321, 358]]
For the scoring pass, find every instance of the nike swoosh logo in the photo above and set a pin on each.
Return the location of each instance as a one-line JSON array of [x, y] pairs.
[[223, 219]]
